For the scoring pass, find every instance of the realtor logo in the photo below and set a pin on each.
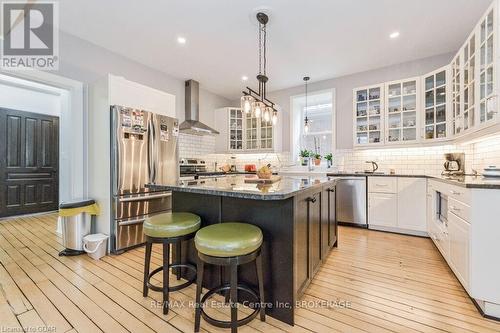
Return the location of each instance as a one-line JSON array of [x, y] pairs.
[[30, 37]]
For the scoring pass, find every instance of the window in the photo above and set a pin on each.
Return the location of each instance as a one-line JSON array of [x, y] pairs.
[[320, 112]]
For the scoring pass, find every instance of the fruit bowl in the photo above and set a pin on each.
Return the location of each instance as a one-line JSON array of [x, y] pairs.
[[264, 174]]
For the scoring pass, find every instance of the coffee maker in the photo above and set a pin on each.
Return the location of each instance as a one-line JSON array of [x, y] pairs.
[[454, 164]]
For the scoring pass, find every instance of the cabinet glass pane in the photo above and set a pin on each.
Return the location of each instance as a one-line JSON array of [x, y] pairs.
[[483, 31], [361, 109], [489, 50], [441, 113], [361, 95], [374, 124], [441, 130], [472, 68], [429, 98], [410, 87], [409, 102], [472, 45], [489, 81], [429, 82], [489, 19], [429, 132], [483, 56], [429, 116], [394, 135], [394, 121], [362, 125], [409, 119], [374, 93], [362, 138], [374, 137], [482, 111], [395, 104], [440, 78], [394, 89], [374, 108], [440, 95], [482, 85], [409, 134]]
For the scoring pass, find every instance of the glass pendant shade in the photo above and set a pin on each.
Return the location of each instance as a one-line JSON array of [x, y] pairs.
[[246, 103], [306, 126], [257, 109], [275, 117], [268, 111]]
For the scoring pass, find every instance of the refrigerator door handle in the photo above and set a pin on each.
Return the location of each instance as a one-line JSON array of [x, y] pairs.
[[145, 197], [151, 152]]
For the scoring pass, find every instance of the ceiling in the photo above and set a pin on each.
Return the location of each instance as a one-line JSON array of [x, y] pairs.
[[319, 38]]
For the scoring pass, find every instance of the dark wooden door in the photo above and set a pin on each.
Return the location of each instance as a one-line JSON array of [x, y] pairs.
[[29, 162]]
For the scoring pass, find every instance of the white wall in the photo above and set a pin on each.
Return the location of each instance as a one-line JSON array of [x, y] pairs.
[[83, 61]]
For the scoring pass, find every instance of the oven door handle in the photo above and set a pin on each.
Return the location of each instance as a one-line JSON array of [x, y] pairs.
[[131, 222], [145, 197]]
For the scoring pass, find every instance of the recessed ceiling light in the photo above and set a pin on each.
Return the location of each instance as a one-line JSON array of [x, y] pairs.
[[395, 34], [244, 78], [181, 40]]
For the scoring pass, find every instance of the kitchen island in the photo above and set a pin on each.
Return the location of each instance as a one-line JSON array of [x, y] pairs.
[[296, 216]]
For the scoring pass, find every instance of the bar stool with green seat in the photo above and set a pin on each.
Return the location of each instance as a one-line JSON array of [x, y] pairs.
[[229, 244], [166, 229]]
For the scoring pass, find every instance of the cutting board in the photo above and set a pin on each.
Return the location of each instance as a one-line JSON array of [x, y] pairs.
[[256, 180]]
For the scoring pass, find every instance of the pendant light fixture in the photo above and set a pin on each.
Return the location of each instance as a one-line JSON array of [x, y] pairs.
[[256, 102], [306, 120]]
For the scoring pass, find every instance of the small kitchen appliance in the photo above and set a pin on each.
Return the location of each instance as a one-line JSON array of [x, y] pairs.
[[454, 164]]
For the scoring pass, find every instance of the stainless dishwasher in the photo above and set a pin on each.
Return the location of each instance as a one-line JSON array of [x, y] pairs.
[[351, 201]]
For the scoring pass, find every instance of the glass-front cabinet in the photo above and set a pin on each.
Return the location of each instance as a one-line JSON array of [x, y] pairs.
[[242, 132], [368, 115], [435, 86], [468, 84], [456, 95], [235, 129], [487, 67], [402, 109]]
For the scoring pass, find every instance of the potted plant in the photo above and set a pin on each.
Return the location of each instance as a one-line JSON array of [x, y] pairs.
[[304, 157], [317, 159], [329, 160]]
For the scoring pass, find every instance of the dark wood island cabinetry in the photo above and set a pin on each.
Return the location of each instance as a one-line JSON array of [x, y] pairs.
[[296, 216]]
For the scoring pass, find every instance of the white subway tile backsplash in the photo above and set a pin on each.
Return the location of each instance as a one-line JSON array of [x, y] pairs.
[[415, 160]]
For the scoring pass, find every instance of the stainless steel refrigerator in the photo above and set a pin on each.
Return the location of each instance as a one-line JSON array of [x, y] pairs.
[[143, 151]]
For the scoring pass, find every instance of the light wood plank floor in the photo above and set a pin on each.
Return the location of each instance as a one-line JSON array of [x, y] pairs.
[[374, 282]]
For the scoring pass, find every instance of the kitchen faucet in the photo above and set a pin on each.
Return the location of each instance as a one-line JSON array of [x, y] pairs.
[[374, 166]]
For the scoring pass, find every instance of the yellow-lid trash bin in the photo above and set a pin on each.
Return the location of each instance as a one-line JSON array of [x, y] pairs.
[[76, 218]]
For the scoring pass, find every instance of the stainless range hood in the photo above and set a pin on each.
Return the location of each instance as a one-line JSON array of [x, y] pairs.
[[192, 124]]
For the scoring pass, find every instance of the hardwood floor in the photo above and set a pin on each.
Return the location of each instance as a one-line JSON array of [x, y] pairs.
[[374, 282]]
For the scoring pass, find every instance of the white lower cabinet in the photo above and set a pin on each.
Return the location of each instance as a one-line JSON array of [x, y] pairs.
[[382, 209], [397, 204], [458, 231], [412, 203]]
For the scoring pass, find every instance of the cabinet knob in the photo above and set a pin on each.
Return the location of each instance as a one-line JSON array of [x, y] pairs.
[[331, 190], [311, 199]]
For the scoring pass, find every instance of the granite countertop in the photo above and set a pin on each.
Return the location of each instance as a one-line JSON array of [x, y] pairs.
[[478, 182], [235, 186]]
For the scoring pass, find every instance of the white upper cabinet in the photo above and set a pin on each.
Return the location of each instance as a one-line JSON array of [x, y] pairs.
[[487, 46], [436, 103], [469, 85], [402, 107], [240, 132], [368, 104]]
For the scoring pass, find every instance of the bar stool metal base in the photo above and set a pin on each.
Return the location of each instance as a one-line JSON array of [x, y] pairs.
[[227, 324], [165, 268], [232, 287]]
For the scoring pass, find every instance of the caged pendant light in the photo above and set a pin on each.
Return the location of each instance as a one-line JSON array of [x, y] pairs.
[[256, 102]]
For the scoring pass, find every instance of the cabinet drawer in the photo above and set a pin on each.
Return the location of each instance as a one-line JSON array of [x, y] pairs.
[[382, 184], [459, 193], [459, 209], [382, 209]]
